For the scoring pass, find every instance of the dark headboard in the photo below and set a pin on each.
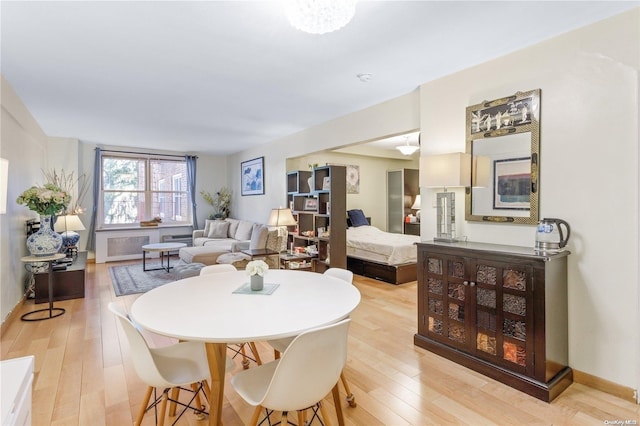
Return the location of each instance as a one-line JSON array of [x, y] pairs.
[[349, 221]]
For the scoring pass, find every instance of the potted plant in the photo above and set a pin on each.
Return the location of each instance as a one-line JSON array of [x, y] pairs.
[[256, 270], [47, 201]]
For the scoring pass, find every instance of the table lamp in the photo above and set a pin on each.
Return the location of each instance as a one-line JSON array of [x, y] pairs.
[[445, 171], [281, 218], [67, 225], [417, 206]]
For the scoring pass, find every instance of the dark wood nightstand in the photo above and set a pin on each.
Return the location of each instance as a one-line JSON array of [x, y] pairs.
[[412, 228], [67, 283]]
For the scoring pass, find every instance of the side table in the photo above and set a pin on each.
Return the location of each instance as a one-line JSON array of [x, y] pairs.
[[67, 283], [162, 248], [259, 253], [51, 309]]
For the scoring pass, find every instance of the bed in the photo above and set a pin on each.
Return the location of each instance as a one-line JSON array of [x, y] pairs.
[[381, 255]]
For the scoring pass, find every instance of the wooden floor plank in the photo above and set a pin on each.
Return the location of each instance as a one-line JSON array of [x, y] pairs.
[[84, 374]]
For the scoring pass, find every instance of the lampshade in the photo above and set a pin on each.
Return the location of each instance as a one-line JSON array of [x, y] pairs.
[[407, 149], [416, 204], [480, 171], [319, 16], [281, 217], [4, 175], [70, 222], [445, 170]]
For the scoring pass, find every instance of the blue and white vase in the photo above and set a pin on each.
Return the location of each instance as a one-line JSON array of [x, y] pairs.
[[44, 242]]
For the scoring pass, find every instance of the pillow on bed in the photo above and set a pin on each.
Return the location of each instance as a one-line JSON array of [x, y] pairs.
[[357, 218]]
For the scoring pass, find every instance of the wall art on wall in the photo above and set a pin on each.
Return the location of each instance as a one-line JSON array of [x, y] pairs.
[[512, 183], [353, 179], [252, 176]]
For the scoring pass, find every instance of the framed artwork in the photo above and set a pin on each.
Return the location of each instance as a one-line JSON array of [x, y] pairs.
[[512, 184], [252, 176], [326, 183], [353, 179], [310, 203]]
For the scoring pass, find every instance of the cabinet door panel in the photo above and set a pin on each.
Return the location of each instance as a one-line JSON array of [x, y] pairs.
[[504, 314]]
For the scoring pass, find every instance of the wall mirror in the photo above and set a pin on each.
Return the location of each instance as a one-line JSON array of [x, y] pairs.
[[503, 140]]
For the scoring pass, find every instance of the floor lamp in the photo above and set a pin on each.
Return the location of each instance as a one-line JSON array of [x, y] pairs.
[[445, 171]]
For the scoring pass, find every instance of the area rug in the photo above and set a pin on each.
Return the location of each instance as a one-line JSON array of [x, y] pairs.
[[131, 279]]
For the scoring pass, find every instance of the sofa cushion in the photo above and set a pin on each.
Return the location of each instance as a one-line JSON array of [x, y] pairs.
[[218, 229], [207, 226], [244, 230], [258, 237], [206, 254], [233, 227]]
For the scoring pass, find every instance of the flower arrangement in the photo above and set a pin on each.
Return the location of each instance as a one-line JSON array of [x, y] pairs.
[[45, 200], [220, 202], [71, 184], [257, 267]]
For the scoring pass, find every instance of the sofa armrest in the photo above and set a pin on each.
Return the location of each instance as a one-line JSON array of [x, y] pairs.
[[198, 233], [240, 245]]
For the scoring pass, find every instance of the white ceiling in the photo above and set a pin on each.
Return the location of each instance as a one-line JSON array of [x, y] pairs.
[[219, 77]]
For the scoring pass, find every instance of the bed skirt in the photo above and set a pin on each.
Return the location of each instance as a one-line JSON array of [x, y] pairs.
[[393, 274]]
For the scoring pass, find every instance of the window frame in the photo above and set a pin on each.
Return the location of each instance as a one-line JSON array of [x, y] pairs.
[[147, 194]]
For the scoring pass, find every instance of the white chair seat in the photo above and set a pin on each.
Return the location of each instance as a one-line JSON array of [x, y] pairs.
[[308, 370]]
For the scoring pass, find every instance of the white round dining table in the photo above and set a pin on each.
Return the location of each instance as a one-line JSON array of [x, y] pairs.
[[208, 308]]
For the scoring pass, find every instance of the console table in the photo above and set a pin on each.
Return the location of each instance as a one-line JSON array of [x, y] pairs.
[[499, 310], [67, 283]]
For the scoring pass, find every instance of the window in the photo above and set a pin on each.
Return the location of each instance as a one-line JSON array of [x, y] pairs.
[[135, 189]]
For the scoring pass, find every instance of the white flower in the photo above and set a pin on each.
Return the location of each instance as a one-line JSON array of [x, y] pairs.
[[257, 267]]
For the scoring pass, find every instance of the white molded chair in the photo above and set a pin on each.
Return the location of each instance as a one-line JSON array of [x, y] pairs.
[[280, 345], [174, 366], [307, 371], [240, 350]]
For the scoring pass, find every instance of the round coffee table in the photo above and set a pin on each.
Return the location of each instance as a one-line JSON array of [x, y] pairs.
[[162, 248]]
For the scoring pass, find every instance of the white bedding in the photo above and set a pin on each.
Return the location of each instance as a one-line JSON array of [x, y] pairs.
[[370, 243]]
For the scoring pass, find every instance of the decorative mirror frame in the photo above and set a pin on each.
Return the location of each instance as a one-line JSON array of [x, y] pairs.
[[518, 113]]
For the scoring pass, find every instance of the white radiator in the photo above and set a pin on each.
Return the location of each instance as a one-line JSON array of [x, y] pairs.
[[184, 238], [115, 245]]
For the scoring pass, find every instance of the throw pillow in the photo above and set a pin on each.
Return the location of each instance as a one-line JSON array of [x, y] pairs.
[[244, 230], [357, 218], [207, 226], [218, 229], [233, 227], [258, 237]]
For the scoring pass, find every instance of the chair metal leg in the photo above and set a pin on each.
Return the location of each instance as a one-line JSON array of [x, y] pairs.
[[199, 411], [143, 406]]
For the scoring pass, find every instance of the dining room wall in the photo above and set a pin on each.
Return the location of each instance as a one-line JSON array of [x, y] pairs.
[[588, 174]]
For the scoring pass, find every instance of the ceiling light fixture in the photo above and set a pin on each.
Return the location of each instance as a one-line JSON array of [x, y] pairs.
[[365, 77], [407, 149], [319, 16]]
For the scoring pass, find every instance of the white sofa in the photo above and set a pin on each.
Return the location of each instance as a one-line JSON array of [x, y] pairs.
[[220, 237]]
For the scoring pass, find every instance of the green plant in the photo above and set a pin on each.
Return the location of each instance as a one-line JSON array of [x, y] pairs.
[[221, 202]]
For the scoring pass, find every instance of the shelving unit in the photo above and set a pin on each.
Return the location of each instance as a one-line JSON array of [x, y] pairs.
[[321, 212]]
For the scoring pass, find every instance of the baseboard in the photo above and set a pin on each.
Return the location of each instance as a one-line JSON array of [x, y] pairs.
[[626, 393], [12, 315]]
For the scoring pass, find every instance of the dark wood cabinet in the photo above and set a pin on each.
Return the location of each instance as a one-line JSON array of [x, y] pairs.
[[412, 228], [67, 284], [499, 310]]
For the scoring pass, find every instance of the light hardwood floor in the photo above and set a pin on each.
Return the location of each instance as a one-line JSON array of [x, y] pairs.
[[84, 375]]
